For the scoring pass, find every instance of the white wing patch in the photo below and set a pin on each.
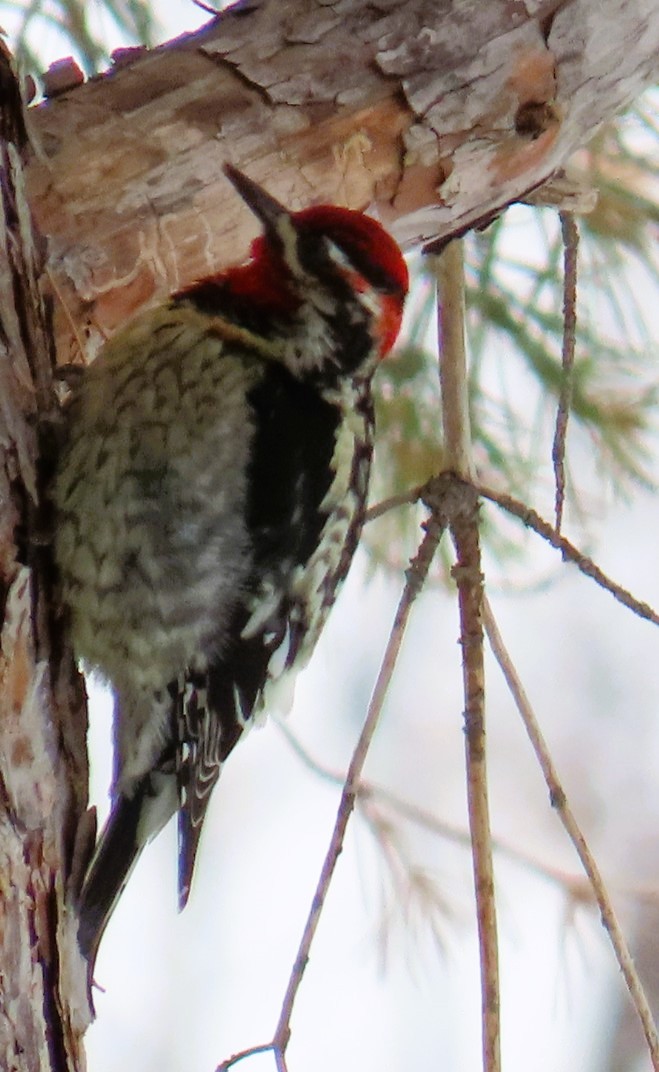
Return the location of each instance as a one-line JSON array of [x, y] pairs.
[[313, 586]]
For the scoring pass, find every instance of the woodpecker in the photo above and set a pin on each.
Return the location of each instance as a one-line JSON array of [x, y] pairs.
[[209, 498]]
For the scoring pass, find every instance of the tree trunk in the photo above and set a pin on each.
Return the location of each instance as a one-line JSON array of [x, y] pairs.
[[437, 112], [43, 766]]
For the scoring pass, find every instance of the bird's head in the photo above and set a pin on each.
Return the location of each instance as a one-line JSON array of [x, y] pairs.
[[346, 251]]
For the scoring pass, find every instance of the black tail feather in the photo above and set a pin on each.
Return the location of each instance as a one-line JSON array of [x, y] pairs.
[[115, 856], [188, 839]]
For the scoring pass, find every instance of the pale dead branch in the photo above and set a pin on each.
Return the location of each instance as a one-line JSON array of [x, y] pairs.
[[559, 801], [467, 574], [570, 233]]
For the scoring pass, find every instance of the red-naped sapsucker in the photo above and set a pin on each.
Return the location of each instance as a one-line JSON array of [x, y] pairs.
[[210, 497]]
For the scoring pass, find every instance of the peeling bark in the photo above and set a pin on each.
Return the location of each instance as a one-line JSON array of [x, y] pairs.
[[43, 767], [435, 112]]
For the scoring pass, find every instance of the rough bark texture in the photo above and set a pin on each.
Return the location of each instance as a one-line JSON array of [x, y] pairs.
[[43, 773], [436, 111]]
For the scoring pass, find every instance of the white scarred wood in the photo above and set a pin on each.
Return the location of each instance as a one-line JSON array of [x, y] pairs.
[[434, 113]]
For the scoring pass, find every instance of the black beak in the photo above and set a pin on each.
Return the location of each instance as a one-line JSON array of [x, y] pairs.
[[262, 204]]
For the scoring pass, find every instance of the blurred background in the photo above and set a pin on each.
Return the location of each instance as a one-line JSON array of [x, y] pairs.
[[393, 976]]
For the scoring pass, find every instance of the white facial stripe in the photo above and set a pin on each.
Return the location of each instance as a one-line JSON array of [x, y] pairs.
[[288, 235]]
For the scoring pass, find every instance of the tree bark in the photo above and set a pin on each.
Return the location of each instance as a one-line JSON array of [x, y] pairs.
[[435, 112], [43, 766]]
